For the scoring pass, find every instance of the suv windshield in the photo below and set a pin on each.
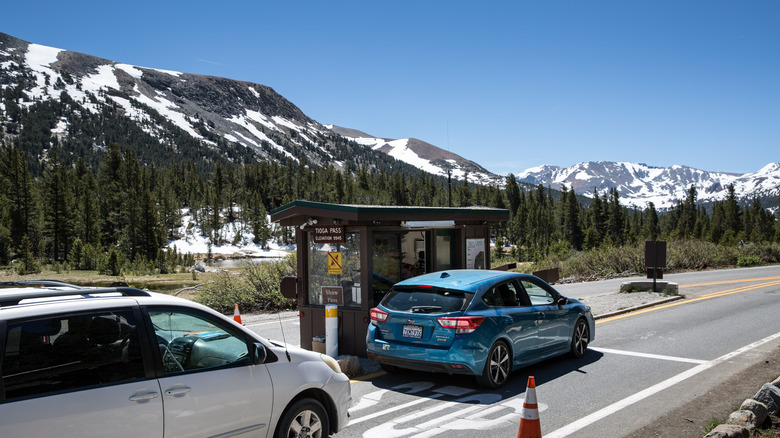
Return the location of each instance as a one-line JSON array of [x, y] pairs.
[[426, 300]]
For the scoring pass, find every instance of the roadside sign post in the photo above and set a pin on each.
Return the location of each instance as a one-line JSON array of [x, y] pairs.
[[655, 260]]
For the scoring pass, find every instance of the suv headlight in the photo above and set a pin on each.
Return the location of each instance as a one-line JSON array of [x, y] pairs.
[[331, 362]]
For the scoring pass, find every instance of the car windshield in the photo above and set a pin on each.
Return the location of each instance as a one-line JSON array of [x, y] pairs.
[[426, 300]]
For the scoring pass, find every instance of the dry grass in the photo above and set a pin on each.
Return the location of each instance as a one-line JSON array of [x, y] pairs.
[[167, 283]]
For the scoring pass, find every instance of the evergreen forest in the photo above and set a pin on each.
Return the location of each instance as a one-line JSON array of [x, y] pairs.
[[118, 213]]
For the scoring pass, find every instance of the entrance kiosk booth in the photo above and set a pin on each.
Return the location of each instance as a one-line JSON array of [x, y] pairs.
[[350, 256]]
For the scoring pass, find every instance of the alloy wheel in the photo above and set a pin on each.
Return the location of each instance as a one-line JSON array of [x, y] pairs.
[[306, 424], [499, 365], [579, 342]]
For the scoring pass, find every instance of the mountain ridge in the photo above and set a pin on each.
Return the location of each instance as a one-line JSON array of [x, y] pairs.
[[640, 184], [189, 116], [244, 120]]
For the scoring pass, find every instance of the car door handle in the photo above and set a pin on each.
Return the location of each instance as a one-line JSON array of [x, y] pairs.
[[144, 396], [177, 391]]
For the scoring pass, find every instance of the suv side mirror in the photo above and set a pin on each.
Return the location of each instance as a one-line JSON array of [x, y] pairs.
[[259, 353]]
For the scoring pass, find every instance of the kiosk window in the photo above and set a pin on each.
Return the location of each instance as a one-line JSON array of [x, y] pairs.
[[334, 272], [399, 255]]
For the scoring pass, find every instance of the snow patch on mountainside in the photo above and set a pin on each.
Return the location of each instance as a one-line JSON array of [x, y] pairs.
[[109, 82], [640, 184], [424, 156]]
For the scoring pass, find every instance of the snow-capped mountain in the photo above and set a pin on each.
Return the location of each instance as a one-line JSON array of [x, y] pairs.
[[187, 116], [422, 155], [89, 102], [639, 184]]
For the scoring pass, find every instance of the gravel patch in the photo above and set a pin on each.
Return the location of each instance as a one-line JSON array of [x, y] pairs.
[[615, 302]]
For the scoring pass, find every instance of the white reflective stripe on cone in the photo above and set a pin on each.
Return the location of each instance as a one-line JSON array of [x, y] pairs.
[[530, 412]]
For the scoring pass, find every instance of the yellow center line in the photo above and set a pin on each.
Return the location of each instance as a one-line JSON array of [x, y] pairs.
[[729, 281], [693, 300]]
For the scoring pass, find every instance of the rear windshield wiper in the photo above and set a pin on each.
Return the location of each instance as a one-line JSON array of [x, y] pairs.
[[425, 309]]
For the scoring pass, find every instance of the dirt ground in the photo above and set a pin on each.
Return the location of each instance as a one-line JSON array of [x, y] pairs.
[[699, 416]]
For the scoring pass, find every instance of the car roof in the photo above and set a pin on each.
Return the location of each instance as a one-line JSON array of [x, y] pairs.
[[469, 280], [24, 299]]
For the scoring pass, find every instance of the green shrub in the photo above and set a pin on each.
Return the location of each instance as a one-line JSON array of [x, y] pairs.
[[681, 255], [254, 289], [749, 260]]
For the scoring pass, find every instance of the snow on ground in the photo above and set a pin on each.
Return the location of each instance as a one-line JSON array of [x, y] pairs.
[[194, 242]]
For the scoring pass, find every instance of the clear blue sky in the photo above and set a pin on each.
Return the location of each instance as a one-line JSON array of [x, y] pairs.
[[509, 85]]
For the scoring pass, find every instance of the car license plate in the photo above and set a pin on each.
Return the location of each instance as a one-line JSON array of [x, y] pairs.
[[412, 331]]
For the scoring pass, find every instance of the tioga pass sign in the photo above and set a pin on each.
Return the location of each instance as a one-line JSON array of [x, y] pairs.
[[333, 234]]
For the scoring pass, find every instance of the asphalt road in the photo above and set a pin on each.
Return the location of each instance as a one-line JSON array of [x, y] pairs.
[[643, 366]]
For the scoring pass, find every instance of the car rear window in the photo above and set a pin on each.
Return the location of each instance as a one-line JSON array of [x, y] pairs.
[[426, 300]]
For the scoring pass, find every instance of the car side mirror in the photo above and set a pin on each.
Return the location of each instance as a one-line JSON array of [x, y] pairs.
[[562, 301], [259, 353]]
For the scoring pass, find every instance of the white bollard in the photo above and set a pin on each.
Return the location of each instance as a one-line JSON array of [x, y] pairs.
[[331, 330]]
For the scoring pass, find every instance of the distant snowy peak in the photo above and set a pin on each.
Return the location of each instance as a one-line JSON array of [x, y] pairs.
[[422, 155], [639, 184]]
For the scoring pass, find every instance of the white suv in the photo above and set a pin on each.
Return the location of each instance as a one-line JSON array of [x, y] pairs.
[[122, 362]]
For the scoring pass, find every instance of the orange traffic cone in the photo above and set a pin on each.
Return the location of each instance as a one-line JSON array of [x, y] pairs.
[[237, 316], [529, 420]]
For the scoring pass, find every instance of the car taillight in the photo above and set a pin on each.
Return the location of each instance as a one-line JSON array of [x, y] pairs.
[[461, 324], [377, 315]]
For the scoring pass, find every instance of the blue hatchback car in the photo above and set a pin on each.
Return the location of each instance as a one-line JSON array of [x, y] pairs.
[[476, 322]]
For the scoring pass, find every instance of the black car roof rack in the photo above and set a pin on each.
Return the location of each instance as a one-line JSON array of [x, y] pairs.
[[14, 298], [41, 283]]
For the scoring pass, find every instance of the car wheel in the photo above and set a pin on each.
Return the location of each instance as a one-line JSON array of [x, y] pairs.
[[497, 368], [579, 339], [304, 419]]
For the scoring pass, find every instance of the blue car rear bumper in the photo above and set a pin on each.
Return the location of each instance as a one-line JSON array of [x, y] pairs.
[[420, 365], [463, 357]]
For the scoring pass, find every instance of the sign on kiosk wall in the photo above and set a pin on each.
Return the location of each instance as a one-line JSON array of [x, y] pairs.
[[334, 263], [329, 234], [475, 253], [333, 295]]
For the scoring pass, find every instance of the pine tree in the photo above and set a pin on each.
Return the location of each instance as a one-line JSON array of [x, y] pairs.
[[732, 212], [651, 229], [463, 194], [21, 195], [131, 233], [87, 211], [717, 222], [112, 195], [615, 218], [59, 206], [598, 221], [571, 220], [28, 263], [512, 193], [687, 215], [151, 234]]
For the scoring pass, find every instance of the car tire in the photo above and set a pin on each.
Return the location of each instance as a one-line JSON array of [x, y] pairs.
[[579, 339], [498, 367], [306, 419]]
